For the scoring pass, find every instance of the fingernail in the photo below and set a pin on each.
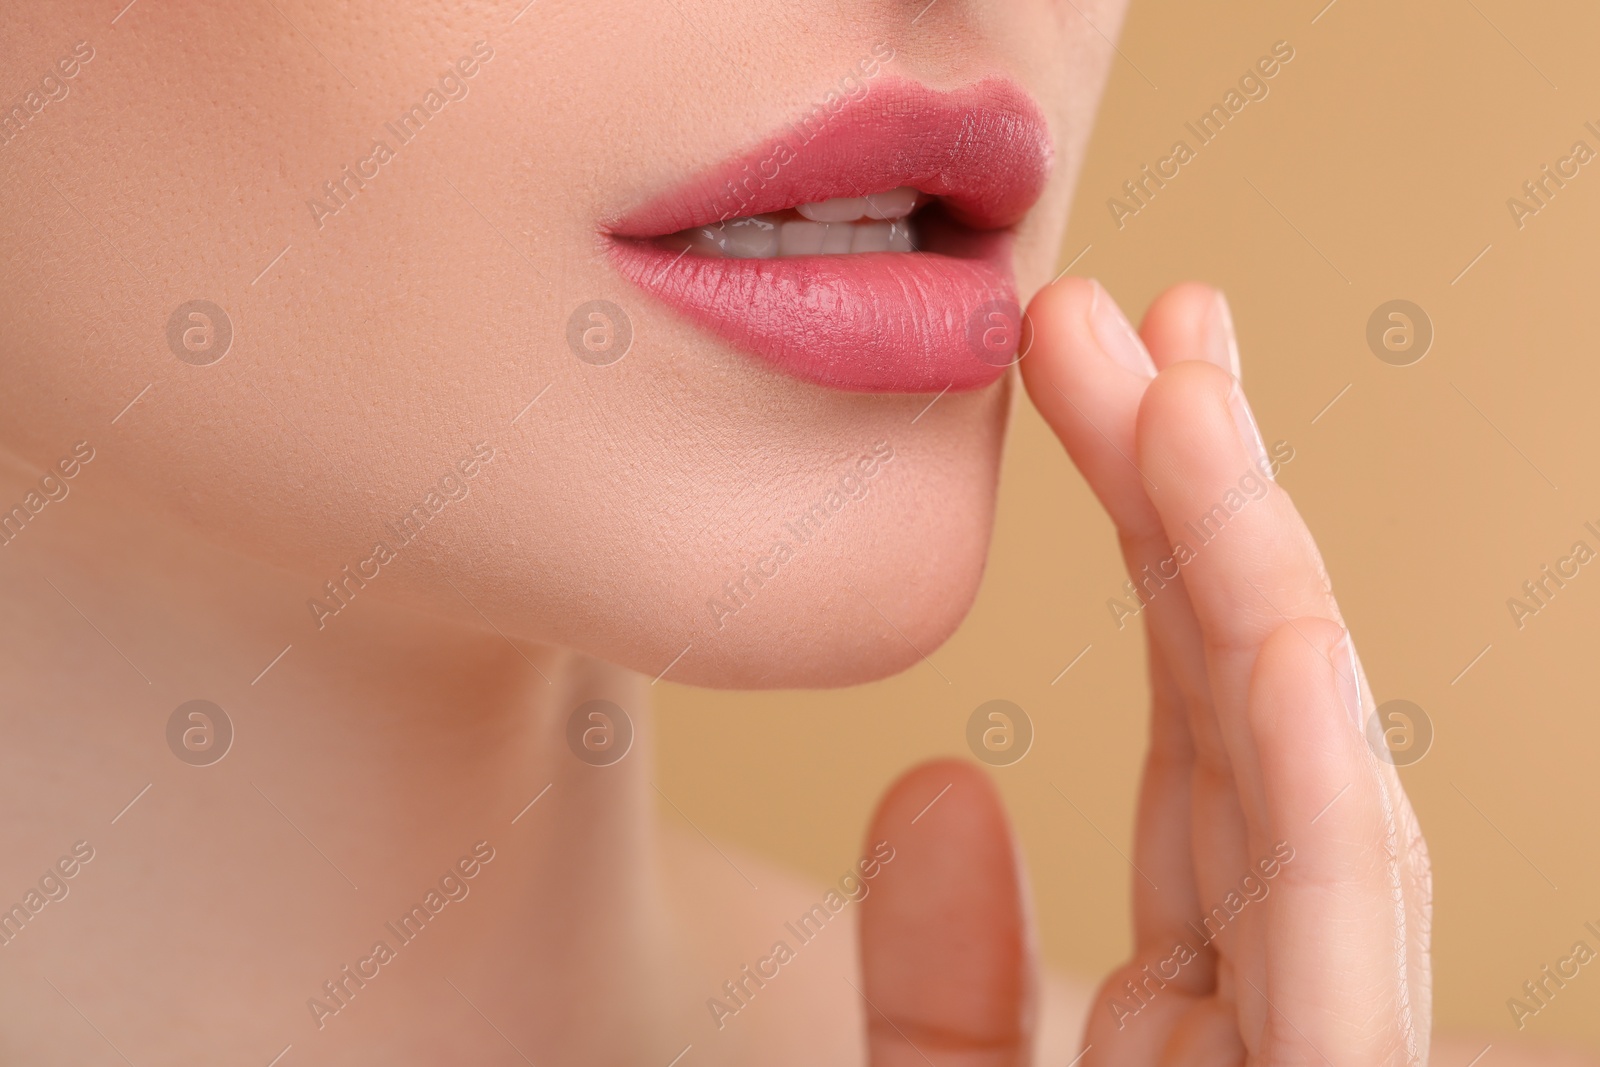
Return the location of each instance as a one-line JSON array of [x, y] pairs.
[[1347, 669], [1249, 432], [1222, 344], [1115, 335]]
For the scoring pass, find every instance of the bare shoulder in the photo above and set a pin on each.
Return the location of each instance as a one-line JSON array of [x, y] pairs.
[[767, 959]]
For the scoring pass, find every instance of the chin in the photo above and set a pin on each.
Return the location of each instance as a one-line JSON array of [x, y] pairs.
[[837, 640], [824, 639], [883, 584]]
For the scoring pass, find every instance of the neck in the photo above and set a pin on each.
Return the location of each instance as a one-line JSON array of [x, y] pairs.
[[372, 766]]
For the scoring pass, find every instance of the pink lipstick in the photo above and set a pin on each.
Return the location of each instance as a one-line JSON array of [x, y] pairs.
[[867, 249]]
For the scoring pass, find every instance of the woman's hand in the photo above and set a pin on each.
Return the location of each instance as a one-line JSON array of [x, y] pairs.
[[1282, 914], [1282, 899]]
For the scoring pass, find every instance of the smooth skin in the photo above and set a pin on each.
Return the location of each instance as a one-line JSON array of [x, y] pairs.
[[1251, 740], [1254, 741], [373, 349]]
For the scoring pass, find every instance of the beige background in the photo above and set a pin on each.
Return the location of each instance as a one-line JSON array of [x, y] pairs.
[[1378, 167]]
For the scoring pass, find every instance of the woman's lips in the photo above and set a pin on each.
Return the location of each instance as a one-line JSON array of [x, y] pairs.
[[945, 317]]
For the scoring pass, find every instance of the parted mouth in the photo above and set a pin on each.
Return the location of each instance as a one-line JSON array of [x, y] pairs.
[[877, 222], [860, 253]]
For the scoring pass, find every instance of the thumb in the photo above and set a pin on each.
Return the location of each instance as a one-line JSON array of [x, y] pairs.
[[946, 948]]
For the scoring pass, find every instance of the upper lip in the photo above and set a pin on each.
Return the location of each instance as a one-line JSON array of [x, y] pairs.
[[984, 151]]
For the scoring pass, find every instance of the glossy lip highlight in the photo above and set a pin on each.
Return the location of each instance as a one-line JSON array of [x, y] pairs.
[[875, 321]]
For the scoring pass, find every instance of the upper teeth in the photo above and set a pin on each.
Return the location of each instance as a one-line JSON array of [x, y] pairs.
[[875, 223], [895, 204]]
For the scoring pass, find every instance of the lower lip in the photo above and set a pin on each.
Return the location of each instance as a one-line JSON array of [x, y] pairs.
[[881, 322]]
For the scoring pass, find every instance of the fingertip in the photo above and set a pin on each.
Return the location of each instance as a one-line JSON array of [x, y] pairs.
[[1085, 359], [913, 794], [1069, 290], [1168, 409], [1077, 317], [1192, 321], [1056, 313], [1194, 372], [1115, 336], [1222, 335], [945, 947], [1339, 848], [1305, 709], [1299, 642], [1088, 400]]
